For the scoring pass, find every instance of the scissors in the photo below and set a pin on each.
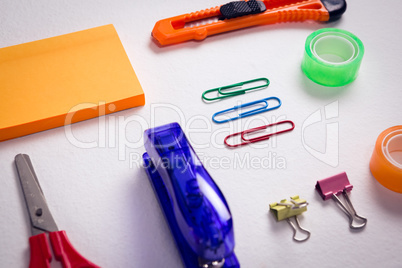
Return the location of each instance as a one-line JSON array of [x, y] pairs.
[[42, 223]]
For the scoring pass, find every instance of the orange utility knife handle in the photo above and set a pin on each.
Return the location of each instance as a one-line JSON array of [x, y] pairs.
[[66, 253], [40, 252], [170, 31]]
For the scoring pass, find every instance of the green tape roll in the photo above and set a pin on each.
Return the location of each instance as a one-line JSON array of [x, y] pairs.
[[332, 57]]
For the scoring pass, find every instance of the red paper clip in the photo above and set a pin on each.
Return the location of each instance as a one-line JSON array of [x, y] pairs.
[[260, 138]]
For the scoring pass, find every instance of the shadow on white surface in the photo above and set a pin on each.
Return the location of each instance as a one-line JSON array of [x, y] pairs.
[[387, 199], [319, 91], [152, 236]]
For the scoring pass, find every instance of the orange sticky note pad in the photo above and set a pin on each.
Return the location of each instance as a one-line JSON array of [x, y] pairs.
[[65, 79]]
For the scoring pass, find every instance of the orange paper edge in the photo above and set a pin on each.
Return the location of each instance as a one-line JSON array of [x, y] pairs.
[[133, 96]]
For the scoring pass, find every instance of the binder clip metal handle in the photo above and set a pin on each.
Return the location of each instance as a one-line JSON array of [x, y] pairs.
[[350, 211], [285, 211], [307, 232], [339, 184]]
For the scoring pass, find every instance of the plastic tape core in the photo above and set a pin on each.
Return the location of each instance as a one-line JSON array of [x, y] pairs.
[[392, 149]]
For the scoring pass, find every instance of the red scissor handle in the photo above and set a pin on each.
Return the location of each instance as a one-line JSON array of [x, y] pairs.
[[66, 253], [40, 252], [62, 248]]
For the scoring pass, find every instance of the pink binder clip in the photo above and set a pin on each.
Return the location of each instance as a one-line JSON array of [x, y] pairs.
[[332, 187]]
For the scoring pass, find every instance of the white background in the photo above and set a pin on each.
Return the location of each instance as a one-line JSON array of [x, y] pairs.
[[104, 200]]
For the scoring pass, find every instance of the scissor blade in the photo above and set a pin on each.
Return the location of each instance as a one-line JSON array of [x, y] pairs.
[[39, 213]]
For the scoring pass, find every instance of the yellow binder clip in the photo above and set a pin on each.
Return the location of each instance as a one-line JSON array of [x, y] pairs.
[[287, 209]]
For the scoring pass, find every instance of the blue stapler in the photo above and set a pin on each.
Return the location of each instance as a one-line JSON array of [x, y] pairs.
[[194, 207]]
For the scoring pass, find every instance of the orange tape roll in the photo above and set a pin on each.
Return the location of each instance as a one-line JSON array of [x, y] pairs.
[[386, 161]]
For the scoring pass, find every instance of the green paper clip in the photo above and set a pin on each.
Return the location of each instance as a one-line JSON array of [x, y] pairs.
[[222, 94], [285, 210]]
